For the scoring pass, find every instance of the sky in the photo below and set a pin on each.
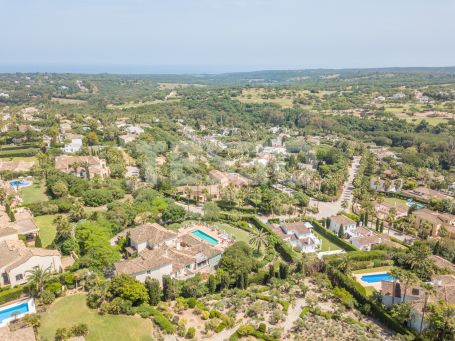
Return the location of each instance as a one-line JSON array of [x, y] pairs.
[[187, 36]]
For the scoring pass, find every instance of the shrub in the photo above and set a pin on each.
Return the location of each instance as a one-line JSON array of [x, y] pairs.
[[80, 329], [190, 333], [47, 297], [54, 287], [344, 296], [117, 306], [163, 323], [10, 294]]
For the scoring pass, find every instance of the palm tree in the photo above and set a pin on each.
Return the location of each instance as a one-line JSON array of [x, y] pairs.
[[396, 273], [407, 278], [429, 290], [259, 239], [38, 277], [345, 265], [391, 218], [64, 228]]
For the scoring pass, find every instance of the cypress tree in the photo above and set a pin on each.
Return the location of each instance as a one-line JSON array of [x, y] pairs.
[[377, 225], [341, 231], [382, 227], [284, 270], [211, 284], [154, 290], [365, 217]]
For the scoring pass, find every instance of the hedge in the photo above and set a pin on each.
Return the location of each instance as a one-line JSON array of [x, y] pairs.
[[249, 330], [10, 295], [332, 237], [358, 291], [162, 321]]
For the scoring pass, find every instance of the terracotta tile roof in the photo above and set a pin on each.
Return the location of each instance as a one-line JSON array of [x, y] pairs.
[[298, 227], [342, 220], [152, 233], [368, 240], [14, 253]]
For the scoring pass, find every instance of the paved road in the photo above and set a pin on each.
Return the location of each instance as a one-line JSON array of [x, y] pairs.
[[327, 209]]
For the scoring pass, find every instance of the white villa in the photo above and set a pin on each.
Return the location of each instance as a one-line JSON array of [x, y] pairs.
[[349, 225], [74, 146], [300, 235], [16, 259]]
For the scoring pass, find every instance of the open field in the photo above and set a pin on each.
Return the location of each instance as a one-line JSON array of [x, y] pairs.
[[172, 86], [47, 228], [68, 311], [34, 193]]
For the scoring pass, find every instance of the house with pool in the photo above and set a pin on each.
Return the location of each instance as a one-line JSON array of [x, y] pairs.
[[155, 251]]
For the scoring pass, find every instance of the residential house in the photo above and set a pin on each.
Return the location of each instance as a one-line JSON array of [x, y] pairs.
[[365, 242], [127, 138], [226, 179], [16, 260], [383, 209], [164, 253], [349, 225], [74, 146], [382, 153], [200, 193], [300, 235], [437, 220], [386, 185], [394, 292], [426, 194], [151, 236], [82, 166]]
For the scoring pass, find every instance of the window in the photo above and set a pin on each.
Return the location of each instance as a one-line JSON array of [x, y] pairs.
[[149, 272], [19, 277]]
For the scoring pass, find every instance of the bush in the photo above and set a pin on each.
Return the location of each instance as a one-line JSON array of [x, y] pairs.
[[47, 297], [190, 333], [10, 295], [117, 306], [54, 287], [162, 322], [97, 197], [79, 330]]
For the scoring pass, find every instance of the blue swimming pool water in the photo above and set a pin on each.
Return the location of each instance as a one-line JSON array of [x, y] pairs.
[[12, 311], [204, 236], [19, 183], [377, 278]]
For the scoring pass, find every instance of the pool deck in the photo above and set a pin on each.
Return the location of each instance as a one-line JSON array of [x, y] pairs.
[[220, 236], [376, 285], [31, 309]]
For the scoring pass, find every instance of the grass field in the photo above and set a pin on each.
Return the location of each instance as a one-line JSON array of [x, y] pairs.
[[378, 269], [238, 234], [34, 193], [47, 228], [431, 120], [71, 310], [326, 244], [394, 200], [25, 151]]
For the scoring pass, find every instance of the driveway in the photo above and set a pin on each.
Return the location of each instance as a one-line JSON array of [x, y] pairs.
[[327, 209]]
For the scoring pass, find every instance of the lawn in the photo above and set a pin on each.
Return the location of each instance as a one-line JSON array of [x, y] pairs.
[[47, 229], [238, 234], [327, 245], [370, 270], [394, 200], [34, 193], [71, 310]]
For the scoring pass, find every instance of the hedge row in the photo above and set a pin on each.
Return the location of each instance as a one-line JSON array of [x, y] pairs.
[[249, 330], [339, 279], [24, 152], [332, 237], [10, 295]]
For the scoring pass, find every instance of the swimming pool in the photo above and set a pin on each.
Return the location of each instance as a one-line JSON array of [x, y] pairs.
[[19, 183], [14, 311], [204, 236], [377, 278]]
